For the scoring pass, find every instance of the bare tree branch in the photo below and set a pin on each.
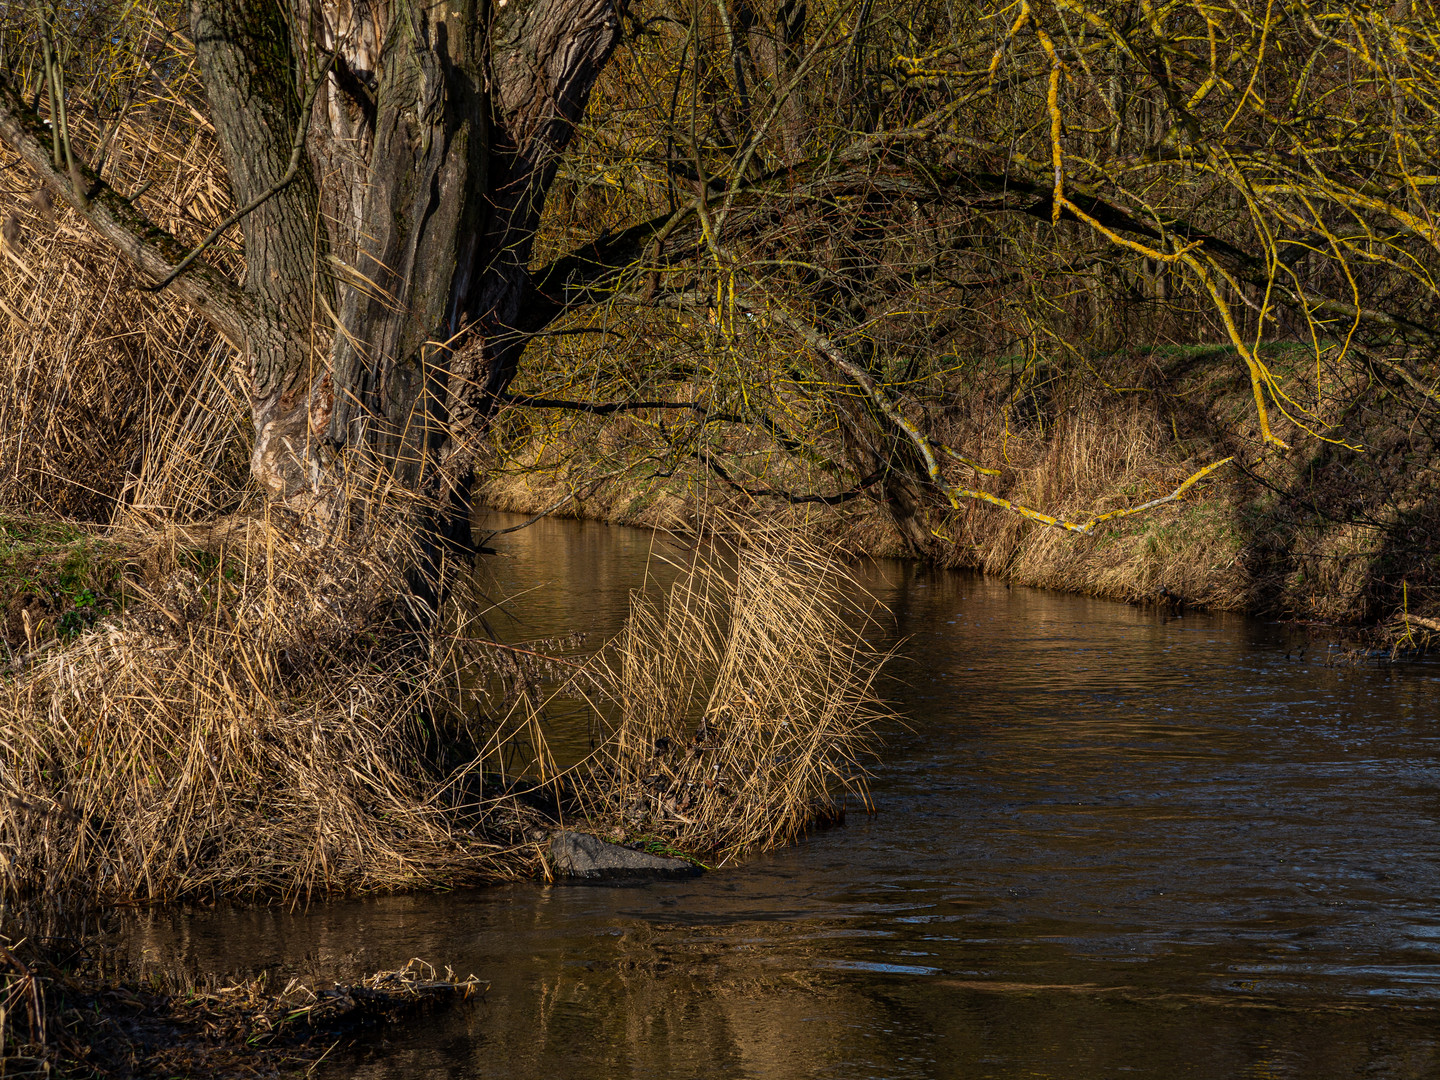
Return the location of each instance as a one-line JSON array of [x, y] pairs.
[[152, 250]]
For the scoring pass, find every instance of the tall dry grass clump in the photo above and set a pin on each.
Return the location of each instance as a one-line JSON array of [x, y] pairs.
[[266, 721], [744, 701], [95, 378], [1092, 454], [97, 375], [259, 711]]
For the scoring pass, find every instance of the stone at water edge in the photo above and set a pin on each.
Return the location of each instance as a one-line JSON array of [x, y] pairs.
[[581, 855]]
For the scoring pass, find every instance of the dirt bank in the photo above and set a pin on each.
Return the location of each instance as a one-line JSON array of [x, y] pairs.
[[1339, 529]]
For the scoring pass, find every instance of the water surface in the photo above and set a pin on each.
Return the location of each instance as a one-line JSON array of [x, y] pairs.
[[1110, 843]]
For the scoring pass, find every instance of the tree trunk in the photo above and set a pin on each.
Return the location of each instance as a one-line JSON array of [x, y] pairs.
[[401, 265], [387, 253]]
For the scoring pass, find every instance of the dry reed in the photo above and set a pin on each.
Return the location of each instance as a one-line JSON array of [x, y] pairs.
[[744, 700], [262, 716], [115, 401], [257, 727]]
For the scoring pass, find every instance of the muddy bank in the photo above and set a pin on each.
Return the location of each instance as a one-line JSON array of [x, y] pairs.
[[1338, 529], [95, 1024]]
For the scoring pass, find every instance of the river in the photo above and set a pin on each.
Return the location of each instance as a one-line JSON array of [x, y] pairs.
[[1108, 842]]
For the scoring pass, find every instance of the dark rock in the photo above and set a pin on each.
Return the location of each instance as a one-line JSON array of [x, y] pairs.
[[584, 856]]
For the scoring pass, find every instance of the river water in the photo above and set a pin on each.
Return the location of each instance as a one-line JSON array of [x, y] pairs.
[[1110, 843]]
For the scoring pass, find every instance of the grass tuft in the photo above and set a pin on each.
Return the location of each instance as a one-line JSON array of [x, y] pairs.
[[264, 721], [744, 703]]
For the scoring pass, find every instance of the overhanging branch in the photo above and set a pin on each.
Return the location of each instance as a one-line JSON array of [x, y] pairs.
[[151, 249], [593, 273], [789, 497], [608, 408]]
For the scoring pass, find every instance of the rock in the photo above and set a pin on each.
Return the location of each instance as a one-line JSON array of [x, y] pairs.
[[584, 856]]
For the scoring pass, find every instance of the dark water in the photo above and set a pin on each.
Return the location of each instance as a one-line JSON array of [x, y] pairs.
[[1111, 844]]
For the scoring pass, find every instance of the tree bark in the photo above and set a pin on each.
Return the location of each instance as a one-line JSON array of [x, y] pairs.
[[386, 276], [250, 74]]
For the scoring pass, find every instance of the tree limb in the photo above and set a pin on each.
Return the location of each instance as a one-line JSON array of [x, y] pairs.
[[786, 496], [151, 249], [590, 273], [608, 408]]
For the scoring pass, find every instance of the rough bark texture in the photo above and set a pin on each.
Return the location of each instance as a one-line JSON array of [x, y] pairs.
[[450, 136], [386, 278], [250, 79]]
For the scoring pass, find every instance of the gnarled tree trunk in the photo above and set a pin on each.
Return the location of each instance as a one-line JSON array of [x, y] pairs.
[[396, 154], [433, 141]]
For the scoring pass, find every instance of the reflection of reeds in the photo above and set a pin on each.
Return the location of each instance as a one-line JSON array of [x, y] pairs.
[[744, 701]]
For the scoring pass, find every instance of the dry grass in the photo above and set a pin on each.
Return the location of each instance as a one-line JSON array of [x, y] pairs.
[[1101, 455], [262, 717], [25, 1048], [263, 724], [98, 377], [266, 720], [1096, 457], [565, 476], [744, 700]]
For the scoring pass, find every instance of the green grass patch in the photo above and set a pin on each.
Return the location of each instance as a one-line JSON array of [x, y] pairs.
[[57, 578]]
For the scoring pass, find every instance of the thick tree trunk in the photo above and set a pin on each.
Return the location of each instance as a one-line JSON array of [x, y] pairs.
[[388, 225], [250, 78], [776, 39], [393, 271]]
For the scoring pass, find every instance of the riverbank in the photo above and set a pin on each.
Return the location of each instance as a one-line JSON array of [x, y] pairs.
[[226, 712], [1028, 896], [1338, 530], [249, 715]]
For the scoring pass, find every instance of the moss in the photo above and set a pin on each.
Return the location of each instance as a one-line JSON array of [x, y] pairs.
[[56, 580]]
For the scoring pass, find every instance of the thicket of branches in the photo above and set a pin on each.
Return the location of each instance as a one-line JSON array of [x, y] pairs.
[[817, 217], [786, 238]]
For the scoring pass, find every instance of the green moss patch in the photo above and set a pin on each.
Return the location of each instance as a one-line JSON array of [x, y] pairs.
[[56, 580]]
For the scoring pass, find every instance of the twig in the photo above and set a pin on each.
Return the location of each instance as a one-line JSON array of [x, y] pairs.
[[1179, 492], [786, 496], [1432, 625], [528, 401], [526, 524], [516, 649]]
